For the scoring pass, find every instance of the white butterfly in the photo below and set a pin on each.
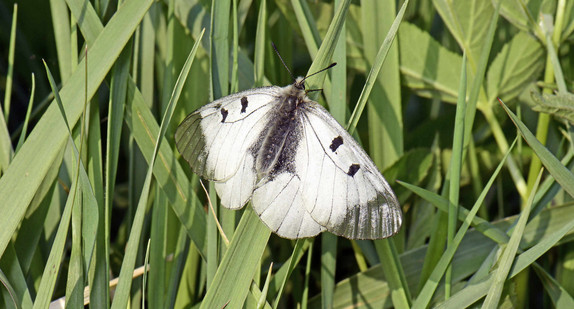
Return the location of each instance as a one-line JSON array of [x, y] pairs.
[[302, 171]]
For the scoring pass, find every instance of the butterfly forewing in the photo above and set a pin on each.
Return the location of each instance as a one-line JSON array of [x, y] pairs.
[[216, 138]]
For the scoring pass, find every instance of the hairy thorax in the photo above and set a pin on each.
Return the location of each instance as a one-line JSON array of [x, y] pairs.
[[282, 136]]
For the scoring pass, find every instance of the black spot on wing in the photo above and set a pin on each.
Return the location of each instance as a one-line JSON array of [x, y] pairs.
[[224, 113], [337, 141], [353, 169], [243, 104]]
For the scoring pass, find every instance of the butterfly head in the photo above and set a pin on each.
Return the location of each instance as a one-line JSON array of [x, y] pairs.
[[299, 83]]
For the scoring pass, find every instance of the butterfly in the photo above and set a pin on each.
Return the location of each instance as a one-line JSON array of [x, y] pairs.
[[302, 171]]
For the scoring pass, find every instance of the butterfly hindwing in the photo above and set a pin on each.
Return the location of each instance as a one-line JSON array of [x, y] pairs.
[[215, 138], [237, 190], [343, 189]]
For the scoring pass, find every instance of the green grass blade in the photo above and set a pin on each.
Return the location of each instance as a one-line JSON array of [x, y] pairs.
[[300, 247], [282, 275], [308, 27], [394, 273], [88, 20], [505, 262], [11, 300], [328, 268], [62, 38], [75, 279], [562, 175], [99, 292], [453, 176], [424, 298], [46, 288], [385, 104], [375, 69], [49, 134], [123, 290], [558, 294], [338, 101], [478, 223], [235, 49], [325, 52], [81, 200], [476, 89], [474, 291], [261, 303], [10, 71], [22, 137], [144, 127], [178, 270], [6, 150], [158, 252], [558, 75], [260, 43], [14, 276], [219, 38], [146, 53], [169, 173], [239, 264], [305, 296]]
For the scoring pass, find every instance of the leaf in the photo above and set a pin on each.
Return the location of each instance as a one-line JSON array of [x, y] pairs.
[[518, 63], [560, 105], [429, 69], [468, 22], [524, 14]]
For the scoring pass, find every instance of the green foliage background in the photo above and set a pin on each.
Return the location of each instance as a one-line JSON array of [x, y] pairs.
[[80, 206]]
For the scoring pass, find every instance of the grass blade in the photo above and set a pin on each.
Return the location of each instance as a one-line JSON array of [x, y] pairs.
[[375, 69], [123, 290], [260, 43], [507, 258], [453, 176], [239, 264], [562, 175], [10, 71], [49, 134], [425, 296]]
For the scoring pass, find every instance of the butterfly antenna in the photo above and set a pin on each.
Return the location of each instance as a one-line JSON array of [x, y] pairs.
[[279, 55], [324, 69]]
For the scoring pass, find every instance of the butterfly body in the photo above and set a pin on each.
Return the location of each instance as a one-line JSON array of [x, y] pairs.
[[302, 171], [283, 132]]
